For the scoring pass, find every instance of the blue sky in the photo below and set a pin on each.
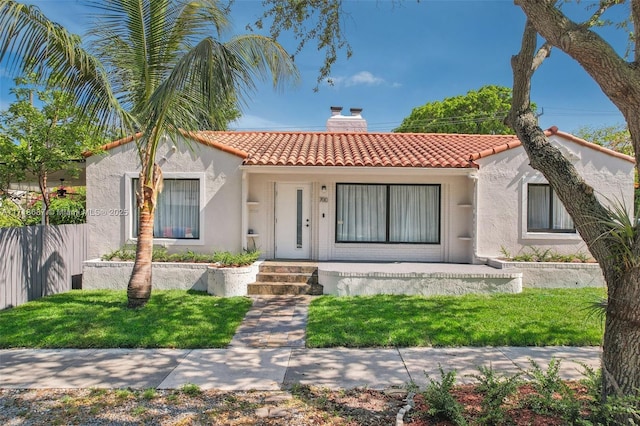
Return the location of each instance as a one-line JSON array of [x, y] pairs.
[[405, 55]]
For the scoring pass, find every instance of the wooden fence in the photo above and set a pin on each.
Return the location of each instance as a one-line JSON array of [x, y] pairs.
[[37, 261]]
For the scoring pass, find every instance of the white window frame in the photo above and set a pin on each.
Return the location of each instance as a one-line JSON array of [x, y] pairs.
[[524, 207], [128, 193]]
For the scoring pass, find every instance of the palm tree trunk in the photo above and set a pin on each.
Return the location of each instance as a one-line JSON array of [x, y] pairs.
[[139, 288]]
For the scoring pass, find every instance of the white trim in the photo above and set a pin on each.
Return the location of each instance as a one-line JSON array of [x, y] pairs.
[[129, 176], [244, 227], [349, 170], [536, 177]]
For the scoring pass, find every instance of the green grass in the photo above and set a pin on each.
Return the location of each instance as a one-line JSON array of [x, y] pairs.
[[100, 319], [532, 318]]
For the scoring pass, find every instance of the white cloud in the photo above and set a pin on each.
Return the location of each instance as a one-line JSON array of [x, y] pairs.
[[253, 122], [362, 78], [365, 78]]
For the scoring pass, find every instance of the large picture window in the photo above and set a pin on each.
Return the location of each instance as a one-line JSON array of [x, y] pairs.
[[177, 214], [379, 213], [545, 212]]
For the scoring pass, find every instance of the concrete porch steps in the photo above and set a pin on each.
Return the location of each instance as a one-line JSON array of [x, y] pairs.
[[286, 278]]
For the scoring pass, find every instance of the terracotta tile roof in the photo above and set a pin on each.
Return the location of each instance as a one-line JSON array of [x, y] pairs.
[[435, 150]]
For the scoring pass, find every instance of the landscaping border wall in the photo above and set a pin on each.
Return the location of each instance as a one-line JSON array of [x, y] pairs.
[[340, 282], [226, 282], [554, 274], [110, 275]]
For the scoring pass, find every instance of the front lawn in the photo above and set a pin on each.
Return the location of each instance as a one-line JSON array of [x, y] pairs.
[[532, 318], [100, 319]]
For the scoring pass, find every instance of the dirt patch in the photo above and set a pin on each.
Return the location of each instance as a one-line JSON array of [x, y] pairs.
[[300, 405]]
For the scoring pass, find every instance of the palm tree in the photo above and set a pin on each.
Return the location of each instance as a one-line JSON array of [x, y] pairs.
[[157, 67]]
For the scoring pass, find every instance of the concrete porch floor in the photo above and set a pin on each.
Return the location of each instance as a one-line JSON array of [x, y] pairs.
[[409, 268]]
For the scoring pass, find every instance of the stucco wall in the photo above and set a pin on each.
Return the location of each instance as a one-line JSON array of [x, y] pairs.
[[501, 197], [361, 279], [554, 274], [456, 213], [97, 274], [109, 196]]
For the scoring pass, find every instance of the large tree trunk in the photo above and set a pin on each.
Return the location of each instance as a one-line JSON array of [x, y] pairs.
[[621, 357], [618, 257]]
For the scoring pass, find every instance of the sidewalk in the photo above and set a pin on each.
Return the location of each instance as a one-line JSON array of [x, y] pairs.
[[268, 353], [243, 368]]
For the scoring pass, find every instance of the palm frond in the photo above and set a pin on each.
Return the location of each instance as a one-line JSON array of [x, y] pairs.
[[622, 234], [261, 57], [30, 42], [209, 76]]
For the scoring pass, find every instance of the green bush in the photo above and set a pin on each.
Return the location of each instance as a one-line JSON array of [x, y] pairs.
[[10, 214], [442, 404], [495, 390], [226, 258], [552, 395], [536, 254], [160, 254]]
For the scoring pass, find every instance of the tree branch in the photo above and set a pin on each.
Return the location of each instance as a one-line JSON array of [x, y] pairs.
[[619, 80], [543, 53], [604, 6], [578, 198]]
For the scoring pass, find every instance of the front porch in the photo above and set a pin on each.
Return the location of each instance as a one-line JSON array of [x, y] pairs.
[[368, 278], [350, 278], [426, 279]]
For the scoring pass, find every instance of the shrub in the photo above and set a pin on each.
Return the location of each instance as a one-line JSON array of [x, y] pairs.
[[536, 254], [442, 404], [552, 395], [226, 258], [495, 390], [160, 254]]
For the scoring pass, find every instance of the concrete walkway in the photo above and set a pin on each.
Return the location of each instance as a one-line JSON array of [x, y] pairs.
[[268, 353], [274, 321]]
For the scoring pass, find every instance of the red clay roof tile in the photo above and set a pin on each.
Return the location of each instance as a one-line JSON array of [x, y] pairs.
[[431, 150], [357, 149]]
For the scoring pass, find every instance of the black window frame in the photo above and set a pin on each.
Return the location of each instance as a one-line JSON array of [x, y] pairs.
[[388, 215], [550, 229]]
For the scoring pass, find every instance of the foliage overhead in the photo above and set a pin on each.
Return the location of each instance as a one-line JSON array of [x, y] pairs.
[[479, 111], [615, 137], [157, 67], [309, 20], [36, 140]]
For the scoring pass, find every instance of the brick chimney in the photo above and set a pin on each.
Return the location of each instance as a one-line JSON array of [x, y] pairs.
[[346, 123]]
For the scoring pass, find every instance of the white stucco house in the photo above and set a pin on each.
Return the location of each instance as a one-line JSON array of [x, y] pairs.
[[349, 195]]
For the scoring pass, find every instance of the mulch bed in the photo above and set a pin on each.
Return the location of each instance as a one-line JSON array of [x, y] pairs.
[[300, 405]]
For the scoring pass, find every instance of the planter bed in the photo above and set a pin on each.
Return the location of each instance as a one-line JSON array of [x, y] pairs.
[[114, 275]]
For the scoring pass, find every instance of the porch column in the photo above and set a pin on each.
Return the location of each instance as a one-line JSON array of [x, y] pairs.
[[243, 207]]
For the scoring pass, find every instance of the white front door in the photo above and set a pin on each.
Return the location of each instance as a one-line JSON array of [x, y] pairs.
[[293, 221]]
